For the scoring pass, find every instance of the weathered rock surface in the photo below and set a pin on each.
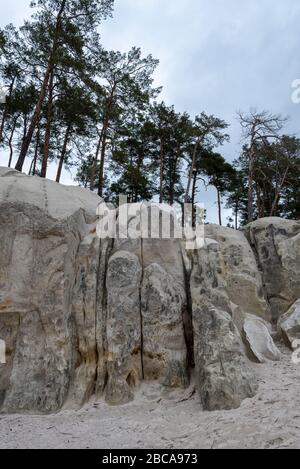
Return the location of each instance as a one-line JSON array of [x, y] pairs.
[[223, 373], [124, 360], [257, 334], [289, 325], [163, 306], [84, 316], [41, 227], [276, 243], [239, 272]]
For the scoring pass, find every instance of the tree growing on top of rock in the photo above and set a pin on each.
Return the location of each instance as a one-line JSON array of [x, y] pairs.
[[59, 29], [172, 132], [275, 180], [208, 133], [259, 128], [132, 164], [219, 174], [126, 89]]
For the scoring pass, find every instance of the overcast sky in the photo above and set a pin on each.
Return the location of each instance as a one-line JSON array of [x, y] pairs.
[[216, 56]]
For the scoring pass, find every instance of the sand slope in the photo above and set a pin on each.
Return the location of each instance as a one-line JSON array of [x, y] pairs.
[[270, 420]]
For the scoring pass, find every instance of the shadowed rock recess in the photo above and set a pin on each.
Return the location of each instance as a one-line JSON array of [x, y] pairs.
[[82, 316]]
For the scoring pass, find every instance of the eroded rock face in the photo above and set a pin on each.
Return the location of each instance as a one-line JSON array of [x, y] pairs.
[[83, 316], [224, 375], [103, 315], [40, 238], [289, 325], [163, 305], [276, 244], [37, 274], [243, 281], [164, 347], [124, 353], [87, 313]]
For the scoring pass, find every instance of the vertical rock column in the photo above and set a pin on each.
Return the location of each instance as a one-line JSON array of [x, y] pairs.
[[223, 374], [124, 366]]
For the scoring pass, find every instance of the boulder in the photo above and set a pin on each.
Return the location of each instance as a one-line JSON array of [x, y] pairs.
[[124, 327], [42, 225], [257, 334], [37, 271], [239, 271], [289, 325], [163, 302], [224, 375], [276, 244]]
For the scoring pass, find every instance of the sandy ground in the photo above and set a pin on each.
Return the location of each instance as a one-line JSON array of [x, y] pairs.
[[270, 420]]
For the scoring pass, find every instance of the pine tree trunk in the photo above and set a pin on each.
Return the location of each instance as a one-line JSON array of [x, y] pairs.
[[102, 158], [219, 207], [104, 139], [170, 181], [260, 208], [37, 144], [161, 175], [11, 151], [43, 92], [251, 180], [63, 154], [48, 127], [34, 121], [24, 127], [94, 168], [190, 176], [194, 197], [278, 192], [30, 169]]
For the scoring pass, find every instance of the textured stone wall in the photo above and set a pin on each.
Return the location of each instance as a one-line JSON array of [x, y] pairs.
[[82, 316]]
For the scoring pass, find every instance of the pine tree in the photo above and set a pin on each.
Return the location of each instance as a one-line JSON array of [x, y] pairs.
[[58, 28], [126, 88], [258, 129], [208, 132]]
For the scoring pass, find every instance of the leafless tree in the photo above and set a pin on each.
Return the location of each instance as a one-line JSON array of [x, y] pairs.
[[258, 128]]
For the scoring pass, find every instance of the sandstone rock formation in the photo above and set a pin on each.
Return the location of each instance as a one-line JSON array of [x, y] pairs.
[[224, 375], [276, 244], [85, 316], [41, 226], [238, 269], [289, 325]]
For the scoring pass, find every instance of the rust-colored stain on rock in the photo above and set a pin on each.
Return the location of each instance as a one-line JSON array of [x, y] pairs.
[[5, 304]]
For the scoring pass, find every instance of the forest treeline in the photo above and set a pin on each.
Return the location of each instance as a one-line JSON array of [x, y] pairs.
[[97, 112]]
